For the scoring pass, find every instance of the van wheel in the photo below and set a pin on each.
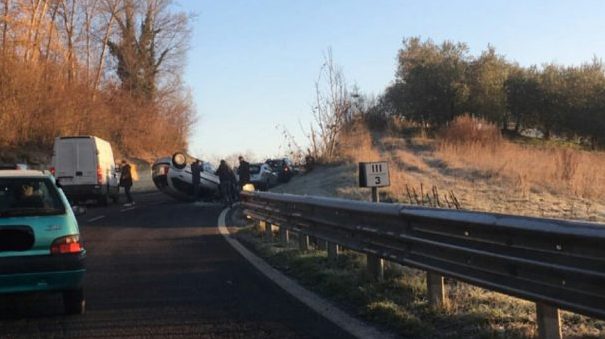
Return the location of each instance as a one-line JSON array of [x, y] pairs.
[[74, 302]]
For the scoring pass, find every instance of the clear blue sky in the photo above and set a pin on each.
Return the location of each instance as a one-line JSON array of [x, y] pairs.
[[253, 63]]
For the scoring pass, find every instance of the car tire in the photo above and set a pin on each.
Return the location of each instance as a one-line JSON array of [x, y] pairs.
[[74, 301], [179, 160]]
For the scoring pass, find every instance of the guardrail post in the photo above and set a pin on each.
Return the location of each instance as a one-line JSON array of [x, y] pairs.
[[284, 234], [436, 289], [321, 244], [303, 241], [549, 321], [332, 251], [268, 231], [375, 266]]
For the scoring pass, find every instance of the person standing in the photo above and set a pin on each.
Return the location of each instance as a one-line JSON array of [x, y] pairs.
[[226, 177], [126, 181], [243, 171], [196, 169]]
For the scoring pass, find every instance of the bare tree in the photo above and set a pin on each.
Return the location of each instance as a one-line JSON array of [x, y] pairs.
[[142, 53], [110, 9], [5, 17], [332, 106]]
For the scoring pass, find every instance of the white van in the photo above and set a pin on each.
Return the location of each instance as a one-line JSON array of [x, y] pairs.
[[85, 168]]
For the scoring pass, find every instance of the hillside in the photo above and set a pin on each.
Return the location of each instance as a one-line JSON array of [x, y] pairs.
[[515, 179]]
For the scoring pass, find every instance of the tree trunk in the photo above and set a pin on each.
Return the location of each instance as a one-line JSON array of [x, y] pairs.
[[6, 4], [518, 124], [104, 48]]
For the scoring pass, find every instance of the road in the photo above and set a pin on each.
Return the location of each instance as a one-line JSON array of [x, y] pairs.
[[162, 269]]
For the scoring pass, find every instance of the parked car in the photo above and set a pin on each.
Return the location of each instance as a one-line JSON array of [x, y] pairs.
[[172, 175], [262, 176], [40, 244], [86, 169], [283, 168]]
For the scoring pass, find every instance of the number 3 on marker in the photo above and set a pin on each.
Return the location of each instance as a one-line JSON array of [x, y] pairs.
[[377, 181]]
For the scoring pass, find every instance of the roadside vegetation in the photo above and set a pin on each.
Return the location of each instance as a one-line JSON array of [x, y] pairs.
[[463, 131], [108, 68], [399, 303], [487, 173]]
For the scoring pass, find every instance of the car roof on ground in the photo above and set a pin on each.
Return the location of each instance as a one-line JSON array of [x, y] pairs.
[[22, 174]]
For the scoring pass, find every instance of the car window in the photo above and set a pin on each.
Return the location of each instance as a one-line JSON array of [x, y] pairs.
[[254, 169], [208, 167], [29, 197], [275, 164]]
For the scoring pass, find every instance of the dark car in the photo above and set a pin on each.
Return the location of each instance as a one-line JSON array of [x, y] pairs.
[[262, 176], [283, 168]]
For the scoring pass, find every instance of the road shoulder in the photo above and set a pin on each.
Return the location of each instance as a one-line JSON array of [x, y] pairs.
[[326, 309]]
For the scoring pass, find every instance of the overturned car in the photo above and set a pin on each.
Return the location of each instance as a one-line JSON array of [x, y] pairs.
[[172, 175]]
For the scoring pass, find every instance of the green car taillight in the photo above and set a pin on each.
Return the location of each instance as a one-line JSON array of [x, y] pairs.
[[66, 245]]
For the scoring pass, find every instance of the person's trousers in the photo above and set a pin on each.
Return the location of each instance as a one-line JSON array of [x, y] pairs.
[[127, 192], [196, 190]]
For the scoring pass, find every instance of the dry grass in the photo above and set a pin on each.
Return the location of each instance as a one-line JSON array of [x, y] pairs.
[[476, 147], [466, 129], [357, 145], [484, 172], [559, 171]]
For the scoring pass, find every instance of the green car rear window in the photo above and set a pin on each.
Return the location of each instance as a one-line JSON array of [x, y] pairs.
[[29, 197]]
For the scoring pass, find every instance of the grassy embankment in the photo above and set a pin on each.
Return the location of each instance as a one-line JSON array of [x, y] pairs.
[[522, 177]]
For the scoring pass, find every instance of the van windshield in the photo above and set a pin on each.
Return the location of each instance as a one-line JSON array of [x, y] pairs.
[[29, 197]]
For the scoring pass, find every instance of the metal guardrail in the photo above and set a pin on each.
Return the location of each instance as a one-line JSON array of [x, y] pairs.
[[552, 262]]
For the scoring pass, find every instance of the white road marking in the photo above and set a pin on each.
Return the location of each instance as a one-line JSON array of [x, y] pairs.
[[325, 308], [95, 218], [127, 209], [207, 204]]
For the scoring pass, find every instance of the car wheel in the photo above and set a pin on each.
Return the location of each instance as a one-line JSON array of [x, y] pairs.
[[74, 301], [179, 160]]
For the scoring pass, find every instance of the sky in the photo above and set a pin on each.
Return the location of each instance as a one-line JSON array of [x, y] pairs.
[[253, 64]]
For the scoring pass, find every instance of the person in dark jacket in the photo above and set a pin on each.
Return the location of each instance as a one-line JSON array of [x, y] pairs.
[[126, 181], [243, 171], [227, 178], [196, 169]]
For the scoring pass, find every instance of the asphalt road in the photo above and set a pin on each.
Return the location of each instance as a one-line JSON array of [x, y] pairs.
[[162, 269]]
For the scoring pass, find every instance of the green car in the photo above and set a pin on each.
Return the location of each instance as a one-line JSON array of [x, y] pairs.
[[40, 245]]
